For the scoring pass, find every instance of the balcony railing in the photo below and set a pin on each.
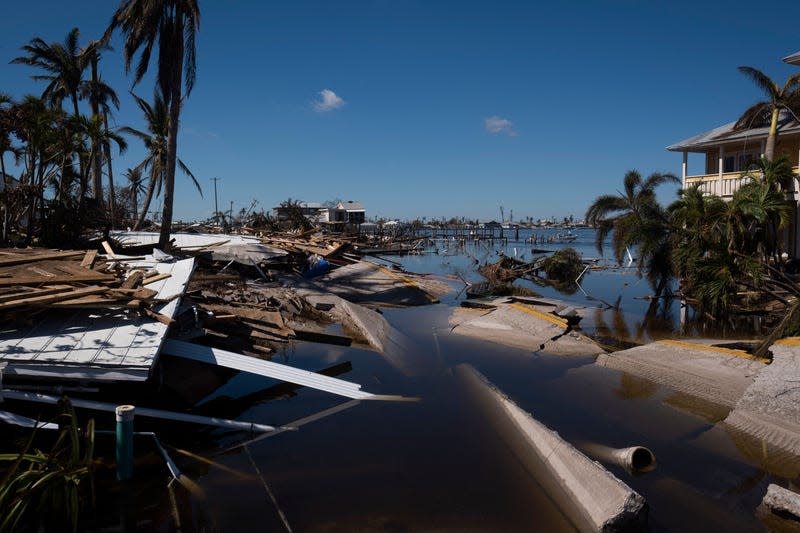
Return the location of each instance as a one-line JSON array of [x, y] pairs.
[[725, 185]]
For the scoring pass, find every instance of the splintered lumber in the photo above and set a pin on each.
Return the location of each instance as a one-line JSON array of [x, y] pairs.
[[50, 298], [133, 281], [157, 277], [24, 258], [325, 338], [88, 259], [27, 292]]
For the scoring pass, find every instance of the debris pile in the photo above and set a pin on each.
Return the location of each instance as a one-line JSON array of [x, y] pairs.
[[33, 281]]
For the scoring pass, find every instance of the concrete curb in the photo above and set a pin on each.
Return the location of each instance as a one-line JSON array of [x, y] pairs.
[[586, 492]]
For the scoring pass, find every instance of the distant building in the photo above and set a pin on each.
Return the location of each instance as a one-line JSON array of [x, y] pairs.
[[349, 212], [313, 211]]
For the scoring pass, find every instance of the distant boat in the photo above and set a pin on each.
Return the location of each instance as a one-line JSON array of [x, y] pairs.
[[566, 237]]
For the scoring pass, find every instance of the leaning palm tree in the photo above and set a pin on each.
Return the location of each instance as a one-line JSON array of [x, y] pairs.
[[156, 142], [636, 219], [768, 111], [171, 25]]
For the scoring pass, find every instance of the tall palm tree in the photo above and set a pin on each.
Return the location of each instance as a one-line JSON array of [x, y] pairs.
[[100, 95], [136, 186], [768, 111], [64, 64], [5, 133], [156, 142], [172, 26], [636, 219]]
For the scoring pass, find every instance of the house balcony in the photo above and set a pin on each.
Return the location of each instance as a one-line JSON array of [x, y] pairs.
[[725, 184]]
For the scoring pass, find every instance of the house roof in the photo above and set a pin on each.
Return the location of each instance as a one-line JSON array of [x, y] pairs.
[[793, 59], [350, 206], [725, 134]]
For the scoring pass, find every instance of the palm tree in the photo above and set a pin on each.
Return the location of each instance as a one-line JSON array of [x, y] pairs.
[[768, 111], [136, 186], [171, 25], [636, 218], [65, 64], [156, 142], [99, 94]]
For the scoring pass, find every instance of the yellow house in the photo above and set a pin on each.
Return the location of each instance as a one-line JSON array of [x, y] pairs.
[[726, 154]]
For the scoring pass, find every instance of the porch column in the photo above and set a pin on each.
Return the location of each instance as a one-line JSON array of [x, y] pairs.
[[763, 147], [684, 167], [721, 164]]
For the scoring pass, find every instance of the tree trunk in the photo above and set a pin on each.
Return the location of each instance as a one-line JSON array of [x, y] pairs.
[[172, 138], [769, 150], [151, 186], [112, 194], [97, 169]]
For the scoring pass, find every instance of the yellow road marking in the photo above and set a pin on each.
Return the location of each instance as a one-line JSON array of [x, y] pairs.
[[789, 341], [716, 349], [544, 316]]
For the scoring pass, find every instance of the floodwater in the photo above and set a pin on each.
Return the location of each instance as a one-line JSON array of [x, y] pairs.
[[438, 464]]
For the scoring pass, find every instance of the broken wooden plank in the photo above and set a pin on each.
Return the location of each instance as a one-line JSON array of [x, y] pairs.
[[23, 258], [88, 259], [34, 292], [325, 338], [157, 277], [53, 280], [50, 298], [133, 280], [108, 249]]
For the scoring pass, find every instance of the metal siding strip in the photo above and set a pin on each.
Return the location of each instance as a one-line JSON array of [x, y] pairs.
[[269, 369]]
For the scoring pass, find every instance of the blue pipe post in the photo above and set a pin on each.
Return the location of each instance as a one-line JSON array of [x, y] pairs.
[[125, 441]]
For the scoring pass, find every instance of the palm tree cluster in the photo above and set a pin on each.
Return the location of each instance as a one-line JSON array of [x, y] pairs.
[[725, 253], [61, 155]]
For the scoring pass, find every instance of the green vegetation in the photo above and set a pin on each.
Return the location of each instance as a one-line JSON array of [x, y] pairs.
[[563, 268], [46, 491], [727, 255], [61, 154]]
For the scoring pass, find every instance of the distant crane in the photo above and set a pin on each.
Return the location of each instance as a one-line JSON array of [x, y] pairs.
[[502, 215]]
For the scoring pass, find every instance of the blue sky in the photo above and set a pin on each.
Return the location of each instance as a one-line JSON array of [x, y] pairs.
[[437, 108]]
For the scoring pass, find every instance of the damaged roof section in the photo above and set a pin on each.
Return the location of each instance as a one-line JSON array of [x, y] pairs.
[[74, 316]]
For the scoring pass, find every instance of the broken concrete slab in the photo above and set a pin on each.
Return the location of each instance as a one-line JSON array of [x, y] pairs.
[[769, 409], [369, 283], [592, 497], [718, 375], [530, 327], [780, 509], [364, 324]]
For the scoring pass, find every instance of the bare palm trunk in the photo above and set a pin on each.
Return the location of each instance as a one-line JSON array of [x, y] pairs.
[[172, 138], [769, 150], [112, 194], [151, 186]]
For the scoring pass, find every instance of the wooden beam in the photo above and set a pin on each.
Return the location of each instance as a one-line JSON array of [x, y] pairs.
[[21, 259], [88, 259], [50, 298]]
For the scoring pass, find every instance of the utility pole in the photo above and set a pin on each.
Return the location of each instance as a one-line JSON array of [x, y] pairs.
[[216, 205]]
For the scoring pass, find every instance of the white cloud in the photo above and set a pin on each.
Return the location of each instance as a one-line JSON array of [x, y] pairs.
[[328, 101], [496, 125]]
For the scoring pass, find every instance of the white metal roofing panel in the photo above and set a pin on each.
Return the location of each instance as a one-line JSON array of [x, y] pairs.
[[111, 346]]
